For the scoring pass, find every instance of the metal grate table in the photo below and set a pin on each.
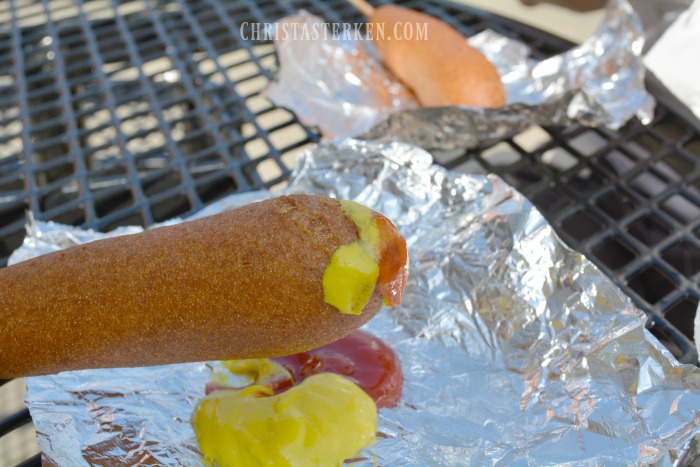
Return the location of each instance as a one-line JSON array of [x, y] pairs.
[[131, 112]]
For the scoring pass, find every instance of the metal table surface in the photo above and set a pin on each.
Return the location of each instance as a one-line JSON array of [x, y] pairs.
[[131, 112]]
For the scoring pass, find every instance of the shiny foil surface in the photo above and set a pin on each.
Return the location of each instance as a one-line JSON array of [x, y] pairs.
[[335, 83], [515, 349], [340, 85]]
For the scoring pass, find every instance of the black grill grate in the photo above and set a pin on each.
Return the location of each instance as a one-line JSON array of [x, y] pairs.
[[629, 200], [131, 112]]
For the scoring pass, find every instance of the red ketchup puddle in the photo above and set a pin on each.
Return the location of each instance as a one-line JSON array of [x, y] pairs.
[[360, 357]]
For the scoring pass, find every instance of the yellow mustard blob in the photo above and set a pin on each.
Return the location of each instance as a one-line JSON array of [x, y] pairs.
[[320, 422], [351, 276], [252, 371]]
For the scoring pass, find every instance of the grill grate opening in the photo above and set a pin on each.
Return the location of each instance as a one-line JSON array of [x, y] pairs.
[[170, 207], [649, 229], [586, 182], [614, 252], [648, 184], [616, 203], [551, 200], [693, 147], [582, 225], [559, 159], [11, 240], [71, 214], [523, 176], [652, 283], [684, 256], [682, 208]]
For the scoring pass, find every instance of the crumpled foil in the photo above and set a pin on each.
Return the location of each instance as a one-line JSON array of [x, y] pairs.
[[515, 349], [340, 86]]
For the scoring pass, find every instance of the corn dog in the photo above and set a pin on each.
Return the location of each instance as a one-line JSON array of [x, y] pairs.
[[442, 69], [269, 279]]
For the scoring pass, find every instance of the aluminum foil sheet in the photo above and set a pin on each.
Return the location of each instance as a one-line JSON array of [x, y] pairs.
[[515, 349], [334, 82], [600, 82]]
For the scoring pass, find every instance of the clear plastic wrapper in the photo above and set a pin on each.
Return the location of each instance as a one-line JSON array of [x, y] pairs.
[[515, 349], [341, 87]]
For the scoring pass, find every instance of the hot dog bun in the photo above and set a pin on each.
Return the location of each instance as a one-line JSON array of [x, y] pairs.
[[242, 284], [442, 68]]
